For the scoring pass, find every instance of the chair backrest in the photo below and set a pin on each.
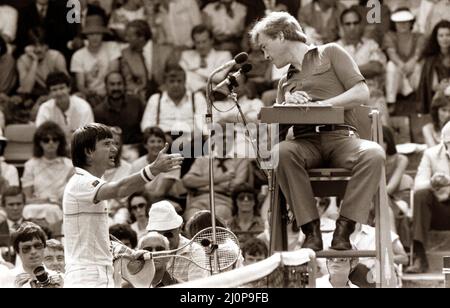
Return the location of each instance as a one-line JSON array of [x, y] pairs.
[[20, 142]]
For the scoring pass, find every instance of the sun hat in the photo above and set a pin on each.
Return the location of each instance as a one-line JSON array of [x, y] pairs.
[[402, 15], [162, 217]]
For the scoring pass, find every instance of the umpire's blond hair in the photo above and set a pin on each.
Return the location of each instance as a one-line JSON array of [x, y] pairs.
[[274, 24]]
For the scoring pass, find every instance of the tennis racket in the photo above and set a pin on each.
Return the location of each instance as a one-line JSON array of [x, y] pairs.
[[200, 250]]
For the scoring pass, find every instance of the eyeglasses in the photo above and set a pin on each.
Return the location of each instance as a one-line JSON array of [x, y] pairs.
[[246, 197], [37, 246], [48, 139], [153, 249], [140, 205], [354, 23], [167, 234]]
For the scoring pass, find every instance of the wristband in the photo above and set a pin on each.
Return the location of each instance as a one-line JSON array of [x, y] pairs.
[[146, 174]]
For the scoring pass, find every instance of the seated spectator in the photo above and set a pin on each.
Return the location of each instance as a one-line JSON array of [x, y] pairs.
[[129, 11], [47, 173], [8, 22], [440, 115], [203, 220], [229, 173], [37, 63], [13, 201], [323, 16], [120, 110], [377, 29], [440, 11], [29, 242], [138, 207], [368, 55], [9, 176], [54, 256], [49, 15], [155, 242], [125, 234], [396, 165], [226, 18], [364, 238], [176, 109], [143, 61], [246, 222], [164, 219], [8, 77], [69, 112], [165, 17], [339, 270], [229, 113], [254, 250], [403, 48], [431, 198], [91, 64], [201, 61], [436, 68], [257, 9], [165, 185], [200, 221], [121, 169]]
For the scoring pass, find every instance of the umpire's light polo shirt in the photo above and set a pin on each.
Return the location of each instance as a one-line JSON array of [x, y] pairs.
[[327, 71]]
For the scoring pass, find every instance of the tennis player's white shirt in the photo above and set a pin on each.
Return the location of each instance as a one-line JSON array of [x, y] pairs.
[[87, 245]]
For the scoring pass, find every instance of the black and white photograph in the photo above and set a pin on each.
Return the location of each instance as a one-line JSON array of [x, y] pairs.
[[224, 149]]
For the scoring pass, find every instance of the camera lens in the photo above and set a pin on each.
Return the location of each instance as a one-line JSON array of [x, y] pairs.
[[41, 275]]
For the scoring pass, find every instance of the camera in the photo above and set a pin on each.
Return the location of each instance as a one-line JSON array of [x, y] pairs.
[[43, 279]]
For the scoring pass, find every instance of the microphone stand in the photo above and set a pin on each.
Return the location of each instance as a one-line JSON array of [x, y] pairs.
[[268, 172], [209, 124]]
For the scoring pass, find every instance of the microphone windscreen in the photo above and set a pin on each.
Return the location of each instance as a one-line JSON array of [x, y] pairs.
[[241, 58], [246, 68]]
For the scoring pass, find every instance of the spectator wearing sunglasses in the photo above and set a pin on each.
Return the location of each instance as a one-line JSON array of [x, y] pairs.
[[246, 222], [46, 174], [138, 207], [155, 242], [29, 242]]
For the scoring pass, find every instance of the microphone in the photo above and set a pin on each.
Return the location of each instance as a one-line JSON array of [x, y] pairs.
[[231, 80], [239, 59]]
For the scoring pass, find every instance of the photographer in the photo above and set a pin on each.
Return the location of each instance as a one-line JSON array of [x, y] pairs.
[[29, 242]]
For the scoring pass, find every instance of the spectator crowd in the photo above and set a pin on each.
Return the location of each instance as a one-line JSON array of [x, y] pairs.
[[141, 67]]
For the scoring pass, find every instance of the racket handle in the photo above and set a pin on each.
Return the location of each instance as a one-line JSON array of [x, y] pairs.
[[148, 256]]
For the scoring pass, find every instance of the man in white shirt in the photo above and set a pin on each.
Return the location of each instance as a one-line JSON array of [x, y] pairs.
[[176, 109], [88, 255], [200, 62], [339, 270], [29, 242], [69, 112]]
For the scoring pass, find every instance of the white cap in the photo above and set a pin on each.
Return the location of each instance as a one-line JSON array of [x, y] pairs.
[[402, 15], [162, 217]]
